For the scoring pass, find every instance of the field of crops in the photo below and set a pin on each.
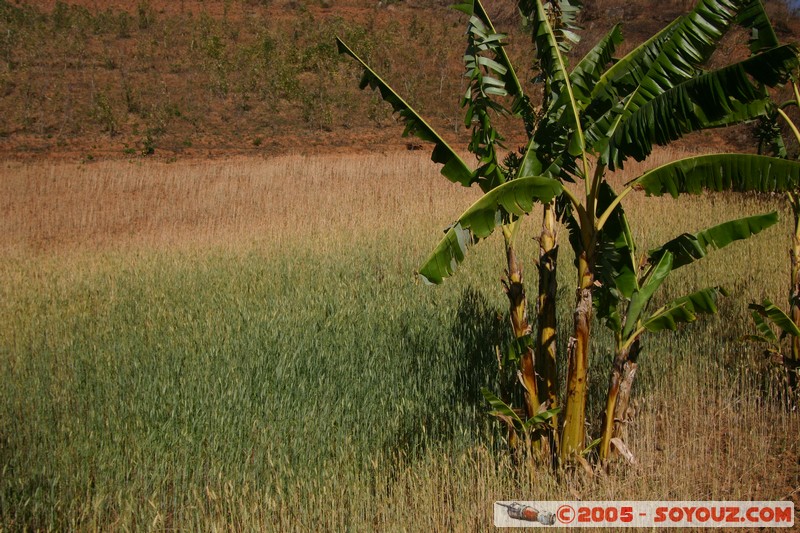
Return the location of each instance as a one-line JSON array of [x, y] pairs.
[[242, 344]]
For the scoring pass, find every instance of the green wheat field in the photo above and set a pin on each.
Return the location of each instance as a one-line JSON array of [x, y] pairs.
[[242, 344]]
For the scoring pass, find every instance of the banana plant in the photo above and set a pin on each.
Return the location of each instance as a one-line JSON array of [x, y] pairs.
[[531, 429], [627, 286], [492, 77], [538, 374], [654, 95], [593, 119], [768, 318], [786, 323], [598, 117]]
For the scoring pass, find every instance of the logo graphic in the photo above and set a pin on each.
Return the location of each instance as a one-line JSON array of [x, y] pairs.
[[519, 511], [650, 514]]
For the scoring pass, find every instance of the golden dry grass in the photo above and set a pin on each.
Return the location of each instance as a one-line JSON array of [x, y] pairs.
[[55, 208], [58, 207]]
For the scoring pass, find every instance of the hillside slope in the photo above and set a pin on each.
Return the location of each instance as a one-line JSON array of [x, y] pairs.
[[173, 79]]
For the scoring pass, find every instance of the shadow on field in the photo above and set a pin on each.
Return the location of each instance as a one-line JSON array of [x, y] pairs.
[[454, 408], [477, 333]]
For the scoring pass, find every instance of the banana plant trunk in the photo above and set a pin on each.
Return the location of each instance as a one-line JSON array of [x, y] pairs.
[[518, 306], [547, 325], [573, 435], [793, 365], [618, 398], [546, 318]]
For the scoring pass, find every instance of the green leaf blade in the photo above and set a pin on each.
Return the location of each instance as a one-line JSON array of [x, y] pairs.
[[501, 409], [588, 71], [454, 168], [688, 248], [765, 332], [684, 310], [775, 315], [641, 297], [516, 197], [755, 17], [719, 173], [730, 95]]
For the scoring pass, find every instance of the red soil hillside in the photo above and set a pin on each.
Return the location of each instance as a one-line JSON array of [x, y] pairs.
[[87, 79]]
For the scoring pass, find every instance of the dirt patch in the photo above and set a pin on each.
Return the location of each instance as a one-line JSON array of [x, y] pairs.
[[85, 81]]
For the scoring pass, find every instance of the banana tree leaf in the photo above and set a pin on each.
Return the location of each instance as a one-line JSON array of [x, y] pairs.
[[720, 172], [685, 309], [687, 45], [755, 17], [719, 98], [560, 130], [765, 332], [583, 79], [688, 248], [587, 73], [509, 77], [616, 267], [624, 76], [617, 232], [774, 314], [490, 74], [567, 12], [641, 297], [515, 197], [606, 300], [454, 168], [502, 410], [554, 67], [779, 146], [691, 44], [771, 349], [546, 152], [562, 15], [540, 418]]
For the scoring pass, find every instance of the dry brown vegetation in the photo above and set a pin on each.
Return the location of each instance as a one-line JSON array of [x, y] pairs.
[[56, 208]]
